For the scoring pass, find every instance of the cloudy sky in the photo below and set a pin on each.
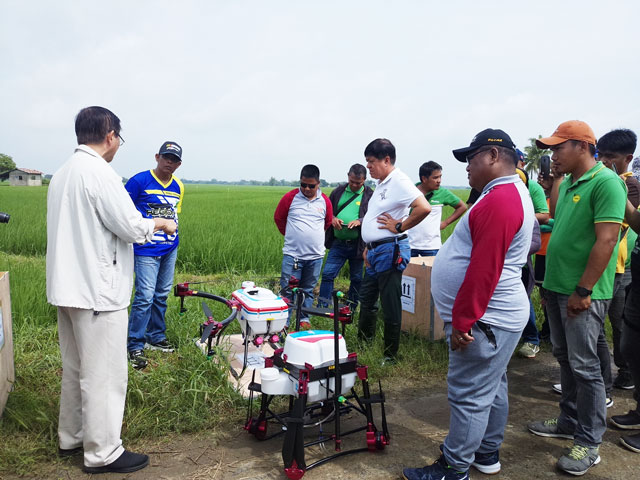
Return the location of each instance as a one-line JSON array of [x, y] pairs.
[[254, 89]]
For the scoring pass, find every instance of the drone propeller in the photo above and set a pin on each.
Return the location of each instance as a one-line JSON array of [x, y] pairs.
[[207, 311]]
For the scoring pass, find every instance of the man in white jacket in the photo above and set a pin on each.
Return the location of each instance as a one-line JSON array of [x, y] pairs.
[[91, 224]]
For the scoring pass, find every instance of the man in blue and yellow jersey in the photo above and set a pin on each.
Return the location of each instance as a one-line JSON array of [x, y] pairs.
[[156, 193]]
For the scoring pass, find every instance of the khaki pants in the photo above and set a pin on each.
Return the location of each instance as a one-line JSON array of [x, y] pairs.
[[94, 382]]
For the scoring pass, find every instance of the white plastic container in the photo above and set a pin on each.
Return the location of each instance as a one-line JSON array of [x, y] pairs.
[[261, 311]]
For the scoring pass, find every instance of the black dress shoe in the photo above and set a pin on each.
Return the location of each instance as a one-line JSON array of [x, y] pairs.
[[126, 463], [69, 452]]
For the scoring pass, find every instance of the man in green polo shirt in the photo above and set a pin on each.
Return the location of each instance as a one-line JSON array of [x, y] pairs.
[[588, 207], [424, 238], [343, 239]]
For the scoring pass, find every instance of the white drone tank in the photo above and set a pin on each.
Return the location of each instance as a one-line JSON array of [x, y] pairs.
[[315, 347], [261, 311]]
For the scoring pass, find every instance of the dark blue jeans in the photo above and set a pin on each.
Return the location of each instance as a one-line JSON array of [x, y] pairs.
[[338, 255], [154, 279], [415, 252]]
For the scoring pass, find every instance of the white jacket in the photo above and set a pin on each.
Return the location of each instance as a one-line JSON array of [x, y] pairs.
[[91, 224]]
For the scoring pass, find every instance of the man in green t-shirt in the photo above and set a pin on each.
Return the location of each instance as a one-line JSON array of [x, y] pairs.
[[343, 239], [588, 207], [424, 238]]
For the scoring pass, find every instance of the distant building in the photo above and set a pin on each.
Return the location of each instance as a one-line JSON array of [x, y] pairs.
[[25, 177]]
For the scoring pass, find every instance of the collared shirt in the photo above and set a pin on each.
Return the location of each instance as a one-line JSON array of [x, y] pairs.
[[393, 195], [597, 196], [303, 223], [91, 224]]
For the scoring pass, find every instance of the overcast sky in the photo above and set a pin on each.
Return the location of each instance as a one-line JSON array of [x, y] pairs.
[[254, 89]]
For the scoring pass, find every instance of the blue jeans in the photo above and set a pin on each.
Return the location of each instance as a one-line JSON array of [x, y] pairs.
[[423, 253], [575, 345], [530, 333], [154, 279], [478, 396], [307, 273], [339, 253]]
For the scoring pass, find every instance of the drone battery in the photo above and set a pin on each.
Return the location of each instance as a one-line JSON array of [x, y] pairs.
[[261, 311]]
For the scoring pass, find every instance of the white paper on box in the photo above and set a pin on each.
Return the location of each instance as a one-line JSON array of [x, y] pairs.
[[408, 294]]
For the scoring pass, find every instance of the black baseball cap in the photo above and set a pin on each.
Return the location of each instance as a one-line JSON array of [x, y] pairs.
[[171, 148], [491, 136]]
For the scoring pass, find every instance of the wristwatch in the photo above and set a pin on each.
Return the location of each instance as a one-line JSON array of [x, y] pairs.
[[583, 292], [399, 227]]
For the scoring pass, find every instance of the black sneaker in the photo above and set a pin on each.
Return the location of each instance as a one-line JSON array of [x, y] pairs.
[[163, 346], [628, 421], [126, 463], [624, 380], [69, 452], [632, 442], [487, 463], [137, 359]]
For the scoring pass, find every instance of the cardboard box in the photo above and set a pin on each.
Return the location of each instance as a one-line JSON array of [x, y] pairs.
[[7, 373], [419, 314]]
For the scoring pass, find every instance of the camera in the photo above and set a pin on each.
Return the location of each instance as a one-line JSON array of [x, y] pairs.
[[4, 217]]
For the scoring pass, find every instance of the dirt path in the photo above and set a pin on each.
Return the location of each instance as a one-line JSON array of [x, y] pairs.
[[418, 421]]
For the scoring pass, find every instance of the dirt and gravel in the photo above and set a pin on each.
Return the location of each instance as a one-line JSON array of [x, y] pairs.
[[418, 420]]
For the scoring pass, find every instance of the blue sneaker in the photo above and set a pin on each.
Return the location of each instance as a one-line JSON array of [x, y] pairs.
[[440, 470], [487, 463]]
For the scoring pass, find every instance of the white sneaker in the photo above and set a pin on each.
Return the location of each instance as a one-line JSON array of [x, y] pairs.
[[557, 387]]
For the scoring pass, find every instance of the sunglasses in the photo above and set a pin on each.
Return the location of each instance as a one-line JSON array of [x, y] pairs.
[[308, 185]]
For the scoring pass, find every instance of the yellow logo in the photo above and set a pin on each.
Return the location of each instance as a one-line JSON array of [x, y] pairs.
[[576, 198], [357, 203]]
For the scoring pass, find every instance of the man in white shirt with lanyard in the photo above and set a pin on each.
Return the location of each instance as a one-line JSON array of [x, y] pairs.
[[396, 206]]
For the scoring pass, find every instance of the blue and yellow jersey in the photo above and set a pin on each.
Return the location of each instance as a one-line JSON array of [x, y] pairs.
[[155, 199]]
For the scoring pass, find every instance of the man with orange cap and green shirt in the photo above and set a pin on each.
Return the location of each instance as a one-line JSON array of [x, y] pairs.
[[588, 206]]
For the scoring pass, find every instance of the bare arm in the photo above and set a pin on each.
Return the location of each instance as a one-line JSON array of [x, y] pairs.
[[606, 240], [543, 218], [457, 213], [420, 208], [553, 198]]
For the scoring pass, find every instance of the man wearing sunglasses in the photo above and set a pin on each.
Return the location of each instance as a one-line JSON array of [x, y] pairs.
[[302, 216], [477, 288]]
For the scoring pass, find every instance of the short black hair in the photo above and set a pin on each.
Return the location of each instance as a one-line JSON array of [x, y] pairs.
[[358, 170], [427, 168], [94, 123], [310, 171], [509, 153], [592, 148], [621, 140], [380, 148]]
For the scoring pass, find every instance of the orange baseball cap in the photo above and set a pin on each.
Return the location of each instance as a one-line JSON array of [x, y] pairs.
[[571, 130]]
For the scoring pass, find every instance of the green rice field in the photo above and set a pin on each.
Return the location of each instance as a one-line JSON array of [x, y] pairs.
[[227, 236]]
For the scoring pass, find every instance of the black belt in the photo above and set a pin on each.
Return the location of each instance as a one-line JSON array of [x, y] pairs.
[[372, 245], [353, 241]]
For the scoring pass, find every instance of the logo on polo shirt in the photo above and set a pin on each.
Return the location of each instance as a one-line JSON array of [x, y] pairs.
[[383, 194], [576, 198]]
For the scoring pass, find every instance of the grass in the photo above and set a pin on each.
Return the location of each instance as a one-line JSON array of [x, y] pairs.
[[228, 236]]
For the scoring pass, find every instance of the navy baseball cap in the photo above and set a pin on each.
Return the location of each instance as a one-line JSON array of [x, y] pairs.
[[171, 148], [491, 136]]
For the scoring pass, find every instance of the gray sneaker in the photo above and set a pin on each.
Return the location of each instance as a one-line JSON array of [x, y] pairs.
[[579, 460], [529, 350], [548, 428]]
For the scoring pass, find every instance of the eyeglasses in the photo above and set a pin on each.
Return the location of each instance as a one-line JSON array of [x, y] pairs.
[[469, 157], [308, 185], [120, 137]]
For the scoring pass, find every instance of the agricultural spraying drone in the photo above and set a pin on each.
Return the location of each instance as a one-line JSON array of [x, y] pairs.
[[313, 368]]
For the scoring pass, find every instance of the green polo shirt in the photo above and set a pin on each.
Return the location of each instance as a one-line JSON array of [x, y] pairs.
[[348, 214], [598, 196], [538, 198]]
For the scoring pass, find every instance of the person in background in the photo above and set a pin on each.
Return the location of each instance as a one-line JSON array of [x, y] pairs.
[[588, 208], [615, 150], [546, 182], [91, 224], [477, 288], [424, 238], [156, 193], [395, 206], [530, 335], [302, 216], [343, 239]]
